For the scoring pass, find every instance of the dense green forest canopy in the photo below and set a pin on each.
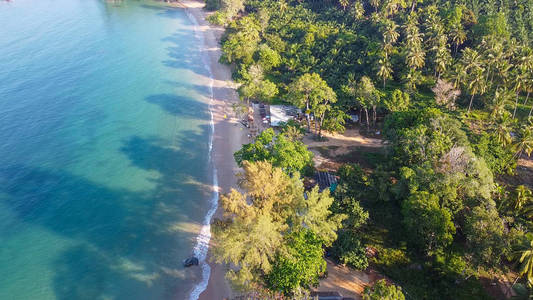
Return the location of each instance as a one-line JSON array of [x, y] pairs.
[[447, 85]]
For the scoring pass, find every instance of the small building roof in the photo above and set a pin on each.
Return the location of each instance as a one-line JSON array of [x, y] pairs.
[[282, 113], [326, 180]]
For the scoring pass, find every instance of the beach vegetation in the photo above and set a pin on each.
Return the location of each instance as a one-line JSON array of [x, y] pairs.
[[446, 85], [381, 290], [281, 150], [273, 232]]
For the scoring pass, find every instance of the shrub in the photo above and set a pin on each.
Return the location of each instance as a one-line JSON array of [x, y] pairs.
[[349, 250], [383, 291], [218, 18]]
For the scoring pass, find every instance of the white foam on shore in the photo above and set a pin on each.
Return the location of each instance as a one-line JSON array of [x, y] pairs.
[[202, 241]]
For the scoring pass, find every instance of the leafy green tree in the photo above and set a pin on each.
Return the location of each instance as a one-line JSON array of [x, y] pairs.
[[232, 7], [241, 44], [300, 266], [268, 58], [484, 233], [368, 96], [259, 223], [427, 224], [289, 154], [315, 214], [349, 250], [399, 101], [313, 94], [255, 86], [383, 291]]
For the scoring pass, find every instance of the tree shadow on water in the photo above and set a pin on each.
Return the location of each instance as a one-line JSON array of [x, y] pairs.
[[181, 106], [130, 243]]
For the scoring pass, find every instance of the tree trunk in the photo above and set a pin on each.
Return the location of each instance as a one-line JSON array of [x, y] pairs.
[[470, 105], [413, 6], [515, 104], [374, 117], [530, 111], [367, 119], [320, 125], [527, 97], [316, 123], [361, 116], [307, 116]]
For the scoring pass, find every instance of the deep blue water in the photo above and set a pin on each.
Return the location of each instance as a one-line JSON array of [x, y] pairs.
[[103, 150]]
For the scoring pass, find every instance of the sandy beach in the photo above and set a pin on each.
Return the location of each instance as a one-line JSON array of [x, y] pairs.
[[229, 134]]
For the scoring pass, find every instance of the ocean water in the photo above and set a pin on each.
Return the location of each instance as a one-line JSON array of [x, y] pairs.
[[105, 177]]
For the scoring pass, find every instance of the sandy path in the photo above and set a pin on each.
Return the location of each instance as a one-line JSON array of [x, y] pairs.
[[229, 135]]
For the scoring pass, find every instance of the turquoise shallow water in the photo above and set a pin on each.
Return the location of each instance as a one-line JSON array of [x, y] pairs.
[[103, 150]]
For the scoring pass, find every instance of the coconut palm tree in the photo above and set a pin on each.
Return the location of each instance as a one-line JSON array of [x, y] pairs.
[[458, 36], [415, 57], [473, 71], [524, 142], [385, 69], [344, 3], [358, 10], [503, 129], [523, 196], [502, 96], [526, 263], [390, 32], [375, 4], [442, 56], [521, 74], [476, 86]]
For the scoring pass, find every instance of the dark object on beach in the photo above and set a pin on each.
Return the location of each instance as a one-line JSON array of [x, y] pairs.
[[191, 261]]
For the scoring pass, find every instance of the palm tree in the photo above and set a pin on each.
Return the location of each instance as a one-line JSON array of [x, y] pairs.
[[415, 57], [501, 97], [283, 6], [385, 69], [503, 129], [390, 32], [523, 196], [525, 139], [375, 4], [358, 10], [477, 86], [367, 96], [442, 56], [471, 64], [392, 6], [344, 3], [458, 36], [521, 75], [526, 263]]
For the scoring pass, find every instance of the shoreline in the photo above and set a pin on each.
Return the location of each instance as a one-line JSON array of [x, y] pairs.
[[227, 136]]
